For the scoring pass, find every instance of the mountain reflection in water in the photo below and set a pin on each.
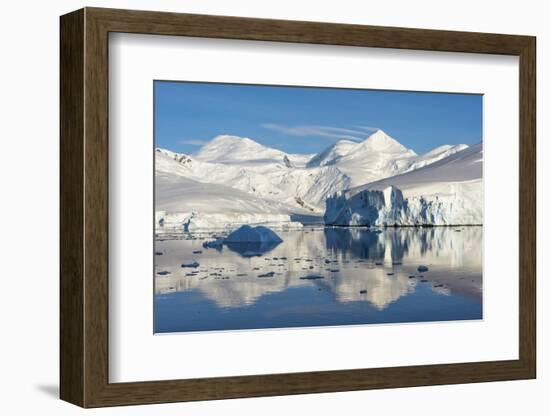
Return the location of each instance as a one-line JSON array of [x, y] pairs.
[[319, 276]]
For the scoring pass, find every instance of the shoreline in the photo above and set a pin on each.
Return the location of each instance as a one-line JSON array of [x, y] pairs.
[[307, 227]]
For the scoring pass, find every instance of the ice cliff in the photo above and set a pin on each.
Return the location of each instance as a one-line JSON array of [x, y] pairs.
[[388, 207], [447, 192]]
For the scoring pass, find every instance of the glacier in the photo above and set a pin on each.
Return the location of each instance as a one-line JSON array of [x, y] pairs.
[[388, 207], [448, 192]]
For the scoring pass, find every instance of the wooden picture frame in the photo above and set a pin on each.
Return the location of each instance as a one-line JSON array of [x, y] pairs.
[[84, 207]]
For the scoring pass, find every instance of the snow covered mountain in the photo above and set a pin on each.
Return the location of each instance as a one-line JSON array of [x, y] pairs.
[[333, 153], [446, 192], [377, 157], [228, 149], [233, 180], [430, 157], [271, 180], [183, 203]]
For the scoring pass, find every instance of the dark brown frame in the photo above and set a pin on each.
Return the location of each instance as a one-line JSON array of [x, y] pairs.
[[84, 207]]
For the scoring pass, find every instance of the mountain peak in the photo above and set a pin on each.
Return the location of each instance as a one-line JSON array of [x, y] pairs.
[[379, 141], [234, 149], [333, 153], [228, 139]]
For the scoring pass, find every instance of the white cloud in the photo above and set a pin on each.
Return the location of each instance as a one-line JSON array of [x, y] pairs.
[[367, 128], [193, 142], [357, 133]]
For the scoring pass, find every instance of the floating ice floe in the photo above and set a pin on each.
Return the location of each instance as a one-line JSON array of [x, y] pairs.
[[193, 264], [218, 243], [312, 277]]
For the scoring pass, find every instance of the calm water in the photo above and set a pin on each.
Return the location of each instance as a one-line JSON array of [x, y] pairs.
[[319, 276]]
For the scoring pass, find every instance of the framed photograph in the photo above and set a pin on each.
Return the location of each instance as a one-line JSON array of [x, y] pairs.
[[254, 207]]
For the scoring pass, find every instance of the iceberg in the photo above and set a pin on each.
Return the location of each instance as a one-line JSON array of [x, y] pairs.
[[248, 234], [252, 241]]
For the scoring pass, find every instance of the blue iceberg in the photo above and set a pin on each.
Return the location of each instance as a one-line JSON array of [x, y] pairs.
[[252, 241]]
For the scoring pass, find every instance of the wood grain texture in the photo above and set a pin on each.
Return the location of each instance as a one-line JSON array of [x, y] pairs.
[[528, 207], [84, 205], [71, 217], [225, 27], [96, 207]]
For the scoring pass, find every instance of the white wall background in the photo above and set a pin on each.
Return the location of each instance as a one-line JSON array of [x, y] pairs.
[[29, 212]]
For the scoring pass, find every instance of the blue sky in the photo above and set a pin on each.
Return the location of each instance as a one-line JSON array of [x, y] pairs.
[[307, 120]]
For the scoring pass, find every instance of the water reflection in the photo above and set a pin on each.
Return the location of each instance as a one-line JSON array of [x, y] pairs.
[[252, 249], [361, 275]]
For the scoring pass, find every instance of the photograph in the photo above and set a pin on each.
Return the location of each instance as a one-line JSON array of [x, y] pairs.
[[291, 206]]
